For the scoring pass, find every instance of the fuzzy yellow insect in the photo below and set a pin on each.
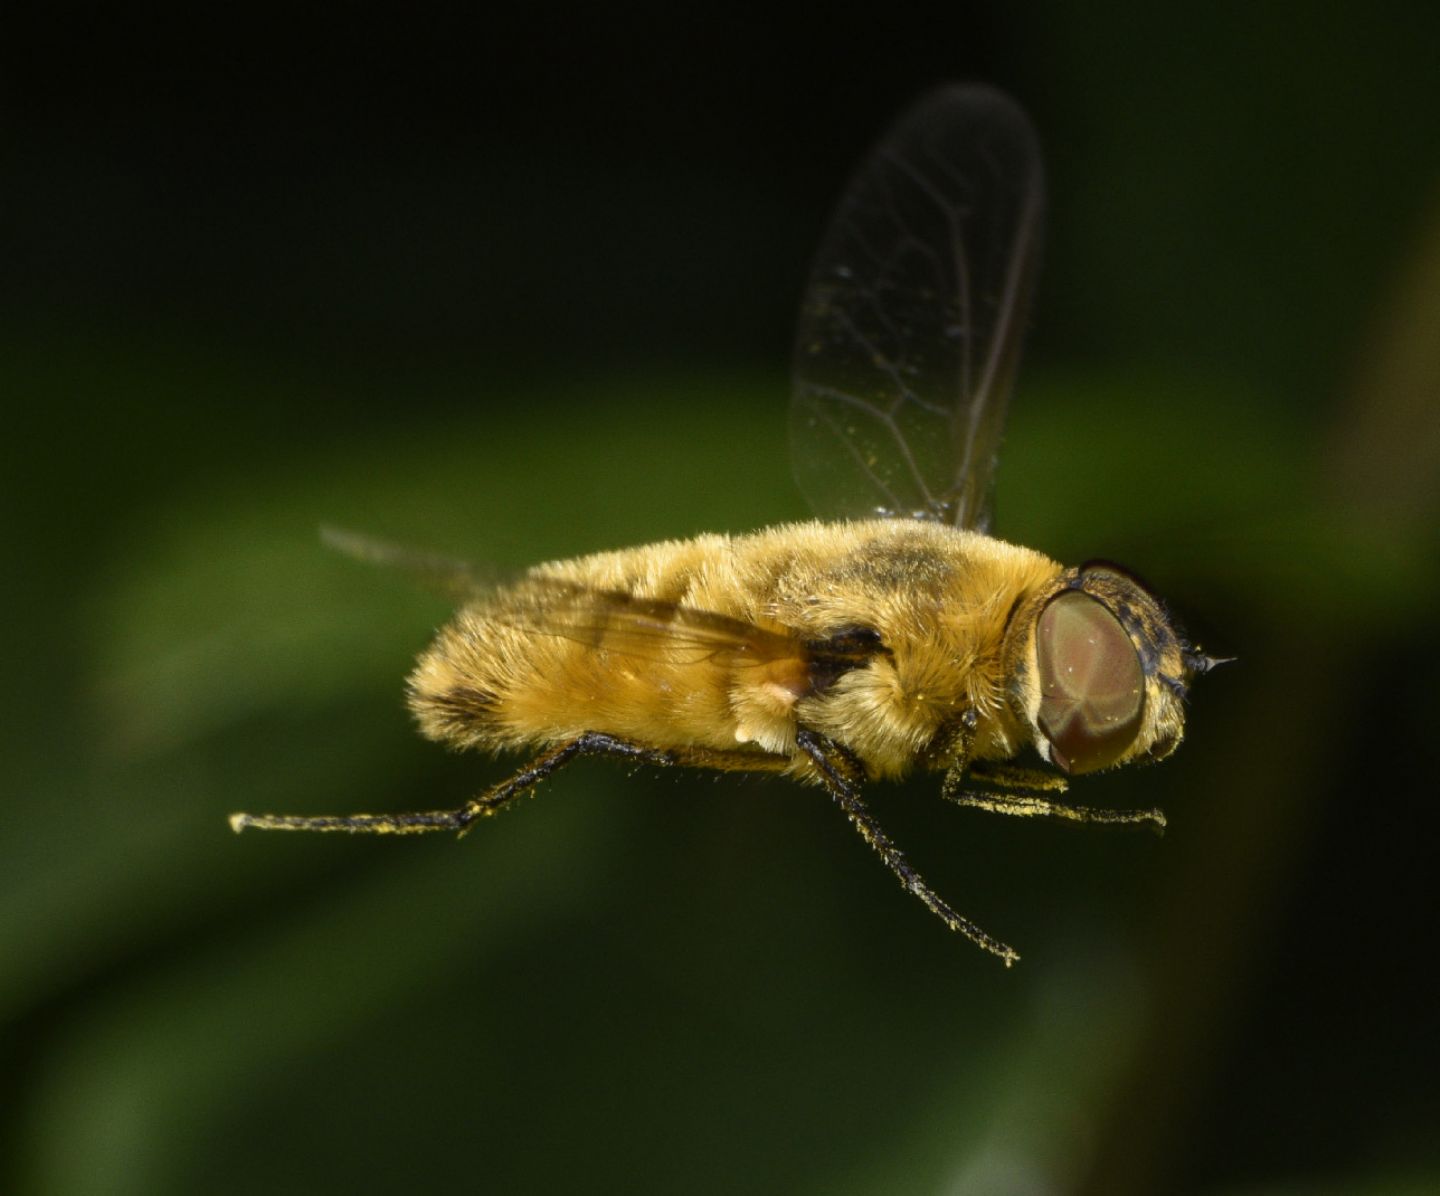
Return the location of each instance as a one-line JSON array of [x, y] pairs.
[[899, 636]]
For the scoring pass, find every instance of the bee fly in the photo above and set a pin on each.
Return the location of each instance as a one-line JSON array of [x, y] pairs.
[[895, 636]]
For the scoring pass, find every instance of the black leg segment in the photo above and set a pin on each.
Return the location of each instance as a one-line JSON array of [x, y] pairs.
[[842, 777]]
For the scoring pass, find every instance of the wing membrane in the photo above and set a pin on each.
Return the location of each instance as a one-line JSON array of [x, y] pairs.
[[614, 620], [912, 321], [649, 628], [446, 576]]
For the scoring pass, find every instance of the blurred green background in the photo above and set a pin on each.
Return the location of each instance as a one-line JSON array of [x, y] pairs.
[[521, 286]]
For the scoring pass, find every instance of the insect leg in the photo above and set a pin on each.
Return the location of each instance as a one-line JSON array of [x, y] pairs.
[[991, 775], [418, 822], [1035, 805], [496, 798], [842, 776], [1006, 789]]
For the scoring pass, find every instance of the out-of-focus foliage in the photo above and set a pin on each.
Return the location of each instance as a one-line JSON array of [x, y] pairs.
[[538, 305]]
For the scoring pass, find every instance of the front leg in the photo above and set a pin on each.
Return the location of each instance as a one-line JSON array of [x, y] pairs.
[[1020, 792], [1032, 805], [842, 775]]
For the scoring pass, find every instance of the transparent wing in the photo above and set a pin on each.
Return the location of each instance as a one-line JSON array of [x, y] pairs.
[[911, 325], [662, 630], [454, 579], [648, 628]]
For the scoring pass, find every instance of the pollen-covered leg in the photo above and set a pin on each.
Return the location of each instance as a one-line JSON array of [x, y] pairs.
[[495, 799], [842, 777], [1012, 778], [417, 822], [1035, 804]]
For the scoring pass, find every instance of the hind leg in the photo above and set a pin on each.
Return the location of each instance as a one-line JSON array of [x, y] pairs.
[[496, 798]]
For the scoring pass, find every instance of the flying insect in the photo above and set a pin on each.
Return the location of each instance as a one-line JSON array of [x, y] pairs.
[[896, 636]]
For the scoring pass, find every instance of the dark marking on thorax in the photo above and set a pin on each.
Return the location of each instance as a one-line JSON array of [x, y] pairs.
[[847, 648]]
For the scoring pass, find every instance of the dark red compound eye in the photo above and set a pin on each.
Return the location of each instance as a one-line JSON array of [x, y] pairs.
[[1092, 689]]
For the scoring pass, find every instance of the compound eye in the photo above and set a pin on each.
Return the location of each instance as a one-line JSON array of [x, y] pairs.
[[1092, 688]]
